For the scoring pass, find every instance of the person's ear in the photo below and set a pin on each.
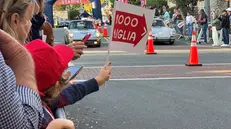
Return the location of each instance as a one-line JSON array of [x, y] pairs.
[[57, 84], [14, 20]]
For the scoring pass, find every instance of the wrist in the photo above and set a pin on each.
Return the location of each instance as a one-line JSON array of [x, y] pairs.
[[100, 80]]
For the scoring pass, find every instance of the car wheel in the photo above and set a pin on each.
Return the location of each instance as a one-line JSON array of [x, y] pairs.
[[171, 42]]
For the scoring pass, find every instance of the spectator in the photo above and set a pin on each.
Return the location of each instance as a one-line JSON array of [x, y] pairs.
[[166, 14], [85, 14], [189, 22], [158, 12], [225, 25], [203, 21], [49, 59], [20, 104], [37, 22], [176, 18], [216, 26]]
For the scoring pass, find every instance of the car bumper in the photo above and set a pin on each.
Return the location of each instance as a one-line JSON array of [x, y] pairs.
[[92, 42], [164, 39]]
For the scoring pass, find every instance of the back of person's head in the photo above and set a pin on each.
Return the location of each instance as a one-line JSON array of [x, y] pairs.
[[50, 63], [15, 16], [41, 6], [224, 11], [202, 11]]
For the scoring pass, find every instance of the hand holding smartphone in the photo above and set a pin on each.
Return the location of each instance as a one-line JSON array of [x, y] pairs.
[[74, 70]]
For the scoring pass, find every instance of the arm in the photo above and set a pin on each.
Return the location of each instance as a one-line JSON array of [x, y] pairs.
[[74, 93], [20, 106]]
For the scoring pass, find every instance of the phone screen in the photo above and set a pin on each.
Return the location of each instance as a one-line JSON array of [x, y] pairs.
[[75, 70]]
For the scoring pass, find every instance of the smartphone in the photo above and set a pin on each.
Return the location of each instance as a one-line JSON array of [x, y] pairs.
[[86, 37], [75, 70]]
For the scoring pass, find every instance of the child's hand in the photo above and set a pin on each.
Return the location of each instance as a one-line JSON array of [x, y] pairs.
[[61, 124], [104, 74]]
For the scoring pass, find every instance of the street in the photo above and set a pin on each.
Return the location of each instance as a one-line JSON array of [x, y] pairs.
[[156, 91]]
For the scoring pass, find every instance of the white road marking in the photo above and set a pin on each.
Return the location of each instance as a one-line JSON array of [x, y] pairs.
[[179, 51], [139, 66], [167, 78]]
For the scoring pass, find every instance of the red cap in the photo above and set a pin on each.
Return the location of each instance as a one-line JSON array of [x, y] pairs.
[[50, 62]]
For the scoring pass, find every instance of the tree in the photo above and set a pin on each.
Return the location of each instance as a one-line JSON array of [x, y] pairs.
[[73, 10], [156, 3], [186, 5]]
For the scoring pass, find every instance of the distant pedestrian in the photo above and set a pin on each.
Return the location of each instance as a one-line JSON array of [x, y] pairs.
[[225, 25], [166, 14], [216, 26], [203, 21], [189, 22]]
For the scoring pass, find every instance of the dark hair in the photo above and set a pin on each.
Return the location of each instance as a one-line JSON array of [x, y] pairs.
[[202, 10], [224, 11]]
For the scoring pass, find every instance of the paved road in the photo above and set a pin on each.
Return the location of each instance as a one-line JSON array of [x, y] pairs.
[[157, 104], [157, 91]]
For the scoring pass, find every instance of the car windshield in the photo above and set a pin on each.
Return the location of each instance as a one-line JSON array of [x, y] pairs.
[[81, 25], [157, 23]]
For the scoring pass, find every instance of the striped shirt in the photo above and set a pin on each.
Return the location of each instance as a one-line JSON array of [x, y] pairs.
[[20, 106]]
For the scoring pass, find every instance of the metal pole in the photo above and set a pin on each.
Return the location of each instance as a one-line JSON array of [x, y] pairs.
[[207, 8]]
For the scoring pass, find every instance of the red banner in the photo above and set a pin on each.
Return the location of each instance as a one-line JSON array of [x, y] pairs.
[[66, 2]]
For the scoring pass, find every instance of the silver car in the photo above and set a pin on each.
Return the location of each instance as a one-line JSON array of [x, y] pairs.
[[77, 29], [162, 33]]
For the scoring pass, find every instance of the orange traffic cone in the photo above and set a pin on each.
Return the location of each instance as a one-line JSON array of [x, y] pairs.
[[105, 32], [150, 49], [193, 57], [100, 29]]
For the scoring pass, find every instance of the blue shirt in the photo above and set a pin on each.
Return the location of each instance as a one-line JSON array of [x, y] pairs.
[[20, 106]]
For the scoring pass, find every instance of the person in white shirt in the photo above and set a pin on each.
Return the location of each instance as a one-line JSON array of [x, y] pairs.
[[189, 22]]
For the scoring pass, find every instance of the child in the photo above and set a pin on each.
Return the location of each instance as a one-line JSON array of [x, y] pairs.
[[50, 63], [189, 22]]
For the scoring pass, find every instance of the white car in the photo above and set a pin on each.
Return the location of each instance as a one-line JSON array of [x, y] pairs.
[[77, 29], [162, 33]]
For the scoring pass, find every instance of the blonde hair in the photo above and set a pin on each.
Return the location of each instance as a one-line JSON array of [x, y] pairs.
[[41, 4], [8, 8]]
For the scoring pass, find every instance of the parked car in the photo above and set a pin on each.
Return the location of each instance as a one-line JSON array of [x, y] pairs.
[[162, 33], [79, 28]]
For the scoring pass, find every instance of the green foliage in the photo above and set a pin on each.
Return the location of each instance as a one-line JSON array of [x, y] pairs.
[[64, 7], [73, 14], [73, 10], [184, 5], [156, 3]]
